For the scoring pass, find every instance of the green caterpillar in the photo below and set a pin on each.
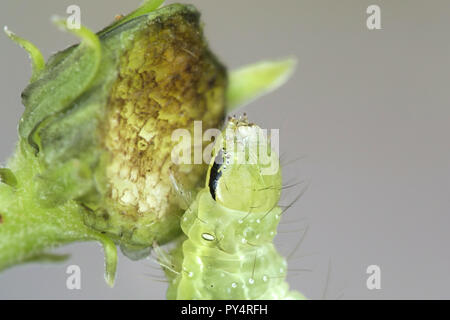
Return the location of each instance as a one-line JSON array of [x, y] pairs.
[[230, 227]]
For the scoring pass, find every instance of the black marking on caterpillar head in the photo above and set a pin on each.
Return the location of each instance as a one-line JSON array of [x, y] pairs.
[[215, 174]]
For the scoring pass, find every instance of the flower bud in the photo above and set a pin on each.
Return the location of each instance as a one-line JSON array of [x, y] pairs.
[[94, 158], [100, 116]]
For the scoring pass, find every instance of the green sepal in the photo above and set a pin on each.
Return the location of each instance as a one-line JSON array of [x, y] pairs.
[[110, 251], [250, 82], [8, 177], [37, 59], [146, 7], [61, 83]]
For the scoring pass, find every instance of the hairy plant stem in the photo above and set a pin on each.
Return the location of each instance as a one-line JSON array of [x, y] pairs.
[[29, 226]]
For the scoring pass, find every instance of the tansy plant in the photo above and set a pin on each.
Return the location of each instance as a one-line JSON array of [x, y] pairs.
[[93, 157]]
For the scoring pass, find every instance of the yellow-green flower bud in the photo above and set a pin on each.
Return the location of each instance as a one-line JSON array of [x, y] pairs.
[[154, 74], [167, 79]]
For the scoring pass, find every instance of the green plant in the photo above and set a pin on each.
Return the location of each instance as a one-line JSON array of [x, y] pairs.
[[92, 162]]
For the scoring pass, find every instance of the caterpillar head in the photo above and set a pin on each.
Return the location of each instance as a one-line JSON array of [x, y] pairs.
[[244, 172]]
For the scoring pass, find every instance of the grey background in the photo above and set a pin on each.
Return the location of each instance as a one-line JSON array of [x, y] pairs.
[[367, 113]]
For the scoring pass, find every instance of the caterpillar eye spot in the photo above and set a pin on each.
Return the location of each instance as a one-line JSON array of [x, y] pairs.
[[208, 237], [215, 174]]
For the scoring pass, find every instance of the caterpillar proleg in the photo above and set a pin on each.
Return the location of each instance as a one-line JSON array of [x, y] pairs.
[[228, 251]]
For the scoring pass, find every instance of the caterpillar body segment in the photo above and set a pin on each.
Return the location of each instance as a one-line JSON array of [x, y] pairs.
[[228, 252]]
